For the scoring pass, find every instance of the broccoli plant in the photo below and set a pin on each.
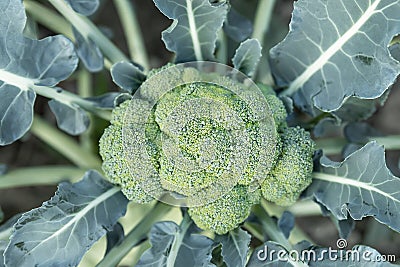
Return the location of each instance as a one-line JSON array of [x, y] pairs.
[[213, 158]]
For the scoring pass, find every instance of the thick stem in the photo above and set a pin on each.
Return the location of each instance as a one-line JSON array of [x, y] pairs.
[[89, 31], [137, 234], [48, 18], [70, 98], [270, 227], [133, 34], [64, 144], [262, 21], [44, 175]]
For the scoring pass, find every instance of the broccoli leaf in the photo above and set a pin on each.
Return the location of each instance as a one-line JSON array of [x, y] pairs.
[[178, 246], [70, 117], [115, 236], [3, 245], [247, 56], [88, 52], [337, 49], [235, 245], [361, 186], [25, 64], [127, 76], [105, 101], [193, 33], [237, 26], [286, 223], [60, 231], [84, 7]]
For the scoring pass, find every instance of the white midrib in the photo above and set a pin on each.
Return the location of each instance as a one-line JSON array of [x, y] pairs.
[[336, 46], [351, 182], [193, 31], [81, 213], [16, 80]]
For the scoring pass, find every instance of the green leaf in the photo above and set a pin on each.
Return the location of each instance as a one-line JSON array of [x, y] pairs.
[[3, 245], [178, 246], [356, 109], [115, 236], [360, 186], [193, 33], [235, 246], [84, 7], [127, 76], [247, 56], [237, 27], [337, 49], [106, 101], [24, 65], [70, 117], [286, 223], [60, 231], [88, 52]]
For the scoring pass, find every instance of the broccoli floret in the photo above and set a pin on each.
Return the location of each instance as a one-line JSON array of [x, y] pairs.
[[292, 172], [227, 212], [114, 161], [215, 144]]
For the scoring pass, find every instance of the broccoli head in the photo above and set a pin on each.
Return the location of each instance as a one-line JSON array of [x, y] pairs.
[[212, 142]]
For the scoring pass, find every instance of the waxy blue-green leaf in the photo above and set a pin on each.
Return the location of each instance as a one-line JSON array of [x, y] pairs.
[[193, 33], [178, 246], [247, 56], [337, 49], [235, 246], [236, 26], [88, 52], [60, 231], [70, 117], [24, 65], [105, 101], [3, 245], [127, 76], [84, 7], [359, 186]]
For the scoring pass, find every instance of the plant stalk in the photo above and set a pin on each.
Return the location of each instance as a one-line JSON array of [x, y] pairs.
[[262, 21], [70, 98], [48, 18], [44, 175], [64, 144], [89, 31], [133, 238], [133, 34]]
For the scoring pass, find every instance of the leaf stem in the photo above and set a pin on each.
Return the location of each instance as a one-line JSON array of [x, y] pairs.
[[64, 144], [334, 146], [270, 227], [186, 222], [89, 31], [262, 21], [137, 234], [132, 31], [43, 175], [48, 18], [70, 98]]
